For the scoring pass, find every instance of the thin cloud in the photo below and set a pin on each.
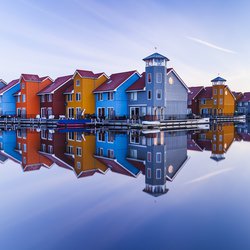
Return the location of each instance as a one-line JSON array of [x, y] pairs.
[[210, 45], [208, 176]]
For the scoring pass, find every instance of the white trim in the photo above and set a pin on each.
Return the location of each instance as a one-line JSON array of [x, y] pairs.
[[10, 88], [138, 105], [136, 90], [178, 77]]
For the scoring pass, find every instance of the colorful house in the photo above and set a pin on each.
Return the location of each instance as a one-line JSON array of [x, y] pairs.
[[79, 97], [111, 150], [7, 100], [28, 145], [52, 100], [27, 100], [2, 83], [193, 102], [111, 98], [162, 154], [215, 100], [159, 94], [81, 148], [243, 104]]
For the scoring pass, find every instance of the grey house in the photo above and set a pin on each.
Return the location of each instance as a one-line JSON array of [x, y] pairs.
[[159, 94], [243, 104], [159, 157]]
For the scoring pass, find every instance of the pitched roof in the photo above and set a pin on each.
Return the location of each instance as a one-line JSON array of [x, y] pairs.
[[2, 81], [218, 79], [206, 93], [69, 90], [60, 81], [244, 98], [30, 78], [194, 91], [114, 81], [9, 86], [155, 56], [237, 95], [139, 84]]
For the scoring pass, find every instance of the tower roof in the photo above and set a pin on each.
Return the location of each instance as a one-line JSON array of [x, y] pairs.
[[155, 56], [218, 79]]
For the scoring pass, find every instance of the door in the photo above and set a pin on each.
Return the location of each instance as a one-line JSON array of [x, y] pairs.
[[111, 113]]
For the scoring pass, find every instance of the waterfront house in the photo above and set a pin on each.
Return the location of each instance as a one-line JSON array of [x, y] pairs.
[[28, 145], [7, 100], [111, 98], [80, 100], [28, 102], [216, 99], [2, 83], [163, 155], [243, 104], [111, 150], [159, 94], [52, 100], [193, 102], [81, 148]]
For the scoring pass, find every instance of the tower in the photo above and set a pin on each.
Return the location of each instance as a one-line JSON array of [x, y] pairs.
[[156, 74]]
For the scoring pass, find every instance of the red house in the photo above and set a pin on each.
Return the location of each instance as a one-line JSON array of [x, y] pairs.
[[52, 100], [193, 102]]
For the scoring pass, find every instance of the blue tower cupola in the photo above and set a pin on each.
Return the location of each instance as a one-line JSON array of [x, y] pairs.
[[156, 59], [218, 81]]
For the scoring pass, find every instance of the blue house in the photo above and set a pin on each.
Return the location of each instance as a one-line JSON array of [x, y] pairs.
[[7, 98], [159, 94], [111, 150], [2, 83], [243, 104], [111, 97]]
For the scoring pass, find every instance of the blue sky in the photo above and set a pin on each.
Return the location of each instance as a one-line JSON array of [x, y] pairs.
[[54, 38]]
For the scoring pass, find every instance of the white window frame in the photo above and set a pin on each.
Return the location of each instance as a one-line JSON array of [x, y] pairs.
[[149, 173], [158, 176], [158, 91], [110, 96], [149, 157], [78, 151], [78, 96], [23, 98], [49, 98], [99, 97], [158, 77], [78, 83], [158, 154]]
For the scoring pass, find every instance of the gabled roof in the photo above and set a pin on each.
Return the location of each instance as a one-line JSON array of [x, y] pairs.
[[139, 85], [88, 74], [90, 172], [244, 98], [69, 90], [45, 78], [59, 82], [155, 56], [192, 145], [2, 81], [194, 91], [33, 78], [115, 81], [206, 93], [9, 86], [237, 95], [218, 79]]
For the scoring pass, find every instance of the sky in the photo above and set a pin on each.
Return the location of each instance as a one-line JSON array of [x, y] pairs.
[[201, 39]]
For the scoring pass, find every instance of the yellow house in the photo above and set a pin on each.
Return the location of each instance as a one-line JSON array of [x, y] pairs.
[[217, 99], [82, 148], [80, 99]]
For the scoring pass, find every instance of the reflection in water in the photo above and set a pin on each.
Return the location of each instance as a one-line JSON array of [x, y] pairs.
[[157, 156]]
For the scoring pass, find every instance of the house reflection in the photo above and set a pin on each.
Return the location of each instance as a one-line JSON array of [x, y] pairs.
[[217, 140], [160, 155]]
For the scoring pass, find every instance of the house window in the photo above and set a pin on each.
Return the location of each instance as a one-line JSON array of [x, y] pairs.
[[149, 95], [23, 86], [49, 98], [215, 101], [214, 147], [134, 138], [203, 101], [133, 96], [220, 147], [158, 173], [50, 149], [158, 94], [220, 137], [79, 151], [24, 160], [49, 110], [149, 77], [78, 96], [221, 91], [149, 156], [18, 98], [50, 136], [99, 97], [69, 97], [78, 136], [215, 91], [158, 77], [78, 112], [78, 165], [24, 148], [158, 157], [71, 112], [43, 134], [71, 136], [221, 101], [43, 148], [110, 96], [149, 173], [110, 137], [110, 153], [42, 98], [143, 111], [101, 136], [70, 150], [23, 98], [214, 137], [77, 83], [100, 151], [133, 153]]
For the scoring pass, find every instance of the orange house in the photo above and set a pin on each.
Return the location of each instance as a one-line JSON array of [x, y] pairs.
[[217, 99], [28, 144], [28, 102]]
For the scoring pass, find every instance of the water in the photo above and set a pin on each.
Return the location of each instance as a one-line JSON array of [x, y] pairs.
[[77, 190]]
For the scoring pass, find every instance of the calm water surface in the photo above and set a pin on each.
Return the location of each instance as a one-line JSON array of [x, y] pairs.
[[110, 190]]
